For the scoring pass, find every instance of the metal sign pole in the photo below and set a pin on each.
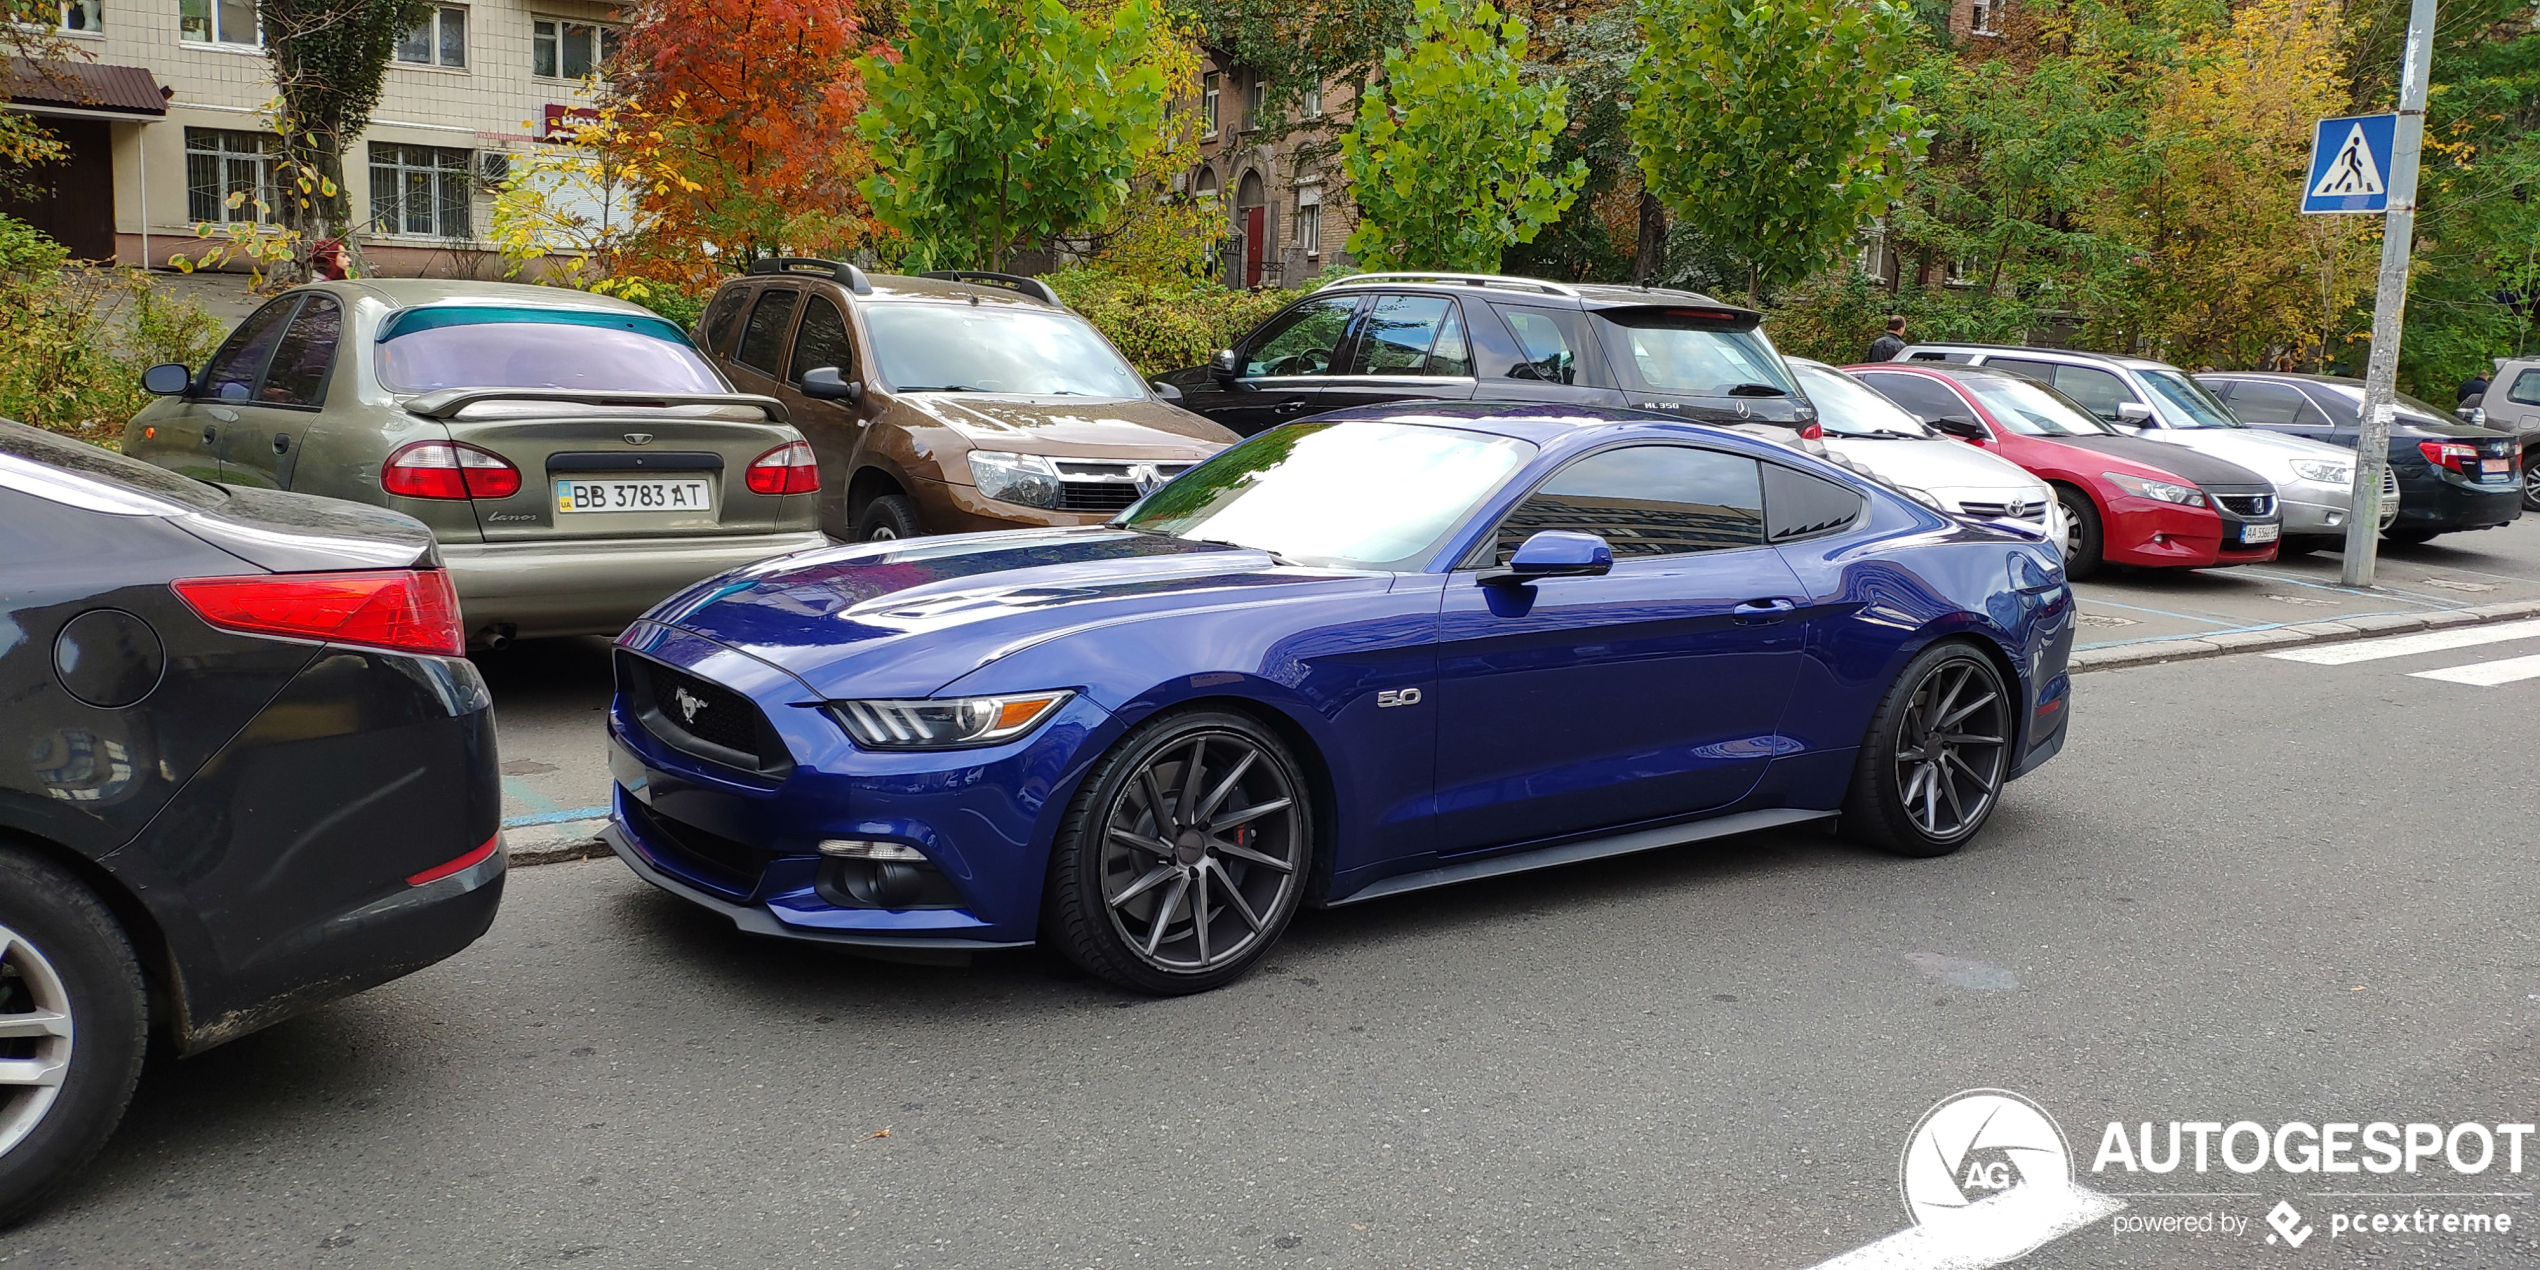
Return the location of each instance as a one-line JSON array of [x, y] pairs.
[[2390, 300]]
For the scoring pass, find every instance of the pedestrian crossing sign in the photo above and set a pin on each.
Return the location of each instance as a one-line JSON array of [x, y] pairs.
[[2350, 165]]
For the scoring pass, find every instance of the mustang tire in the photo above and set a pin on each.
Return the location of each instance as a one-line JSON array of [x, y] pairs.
[[1936, 756], [1183, 856], [73, 1027]]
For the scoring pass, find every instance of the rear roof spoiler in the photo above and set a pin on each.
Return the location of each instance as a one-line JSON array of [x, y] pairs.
[[1727, 317], [1032, 287], [836, 269], [445, 403]]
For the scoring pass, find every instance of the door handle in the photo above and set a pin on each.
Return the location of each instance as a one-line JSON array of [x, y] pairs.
[[1289, 407], [1759, 612]]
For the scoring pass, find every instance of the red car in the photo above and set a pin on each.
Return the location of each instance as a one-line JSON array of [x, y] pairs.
[[2126, 500]]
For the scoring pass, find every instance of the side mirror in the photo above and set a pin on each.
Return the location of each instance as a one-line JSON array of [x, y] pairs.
[[1165, 390], [824, 383], [2134, 414], [1554, 553], [1965, 429], [1224, 365], [167, 379]]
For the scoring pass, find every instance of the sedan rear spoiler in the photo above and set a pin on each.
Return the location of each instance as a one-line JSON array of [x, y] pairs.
[[446, 403]]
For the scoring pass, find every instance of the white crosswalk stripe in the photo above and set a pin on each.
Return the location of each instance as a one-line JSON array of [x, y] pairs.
[[2479, 674]]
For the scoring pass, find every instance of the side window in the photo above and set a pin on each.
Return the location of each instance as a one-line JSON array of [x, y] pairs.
[[1452, 355], [304, 355], [2042, 372], [763, 340], [1921, 398], [1797, 505], [1401, 331], [1550, 340], [2265, 403], [822, 341], [2526, 389], [234, 370], [1301, 341], [1647, 500], [727, 310], [2097, 391]]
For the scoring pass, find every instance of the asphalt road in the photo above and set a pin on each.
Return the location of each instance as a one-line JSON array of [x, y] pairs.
[[2251, 888]]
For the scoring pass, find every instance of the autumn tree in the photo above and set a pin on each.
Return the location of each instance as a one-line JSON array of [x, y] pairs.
[[330, 62], [32, 53], [1000, 124], [737, 119], [1449, 158], [1774, 128]]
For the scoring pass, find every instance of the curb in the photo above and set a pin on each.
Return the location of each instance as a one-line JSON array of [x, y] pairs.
[[559, 853], [2340, 630]]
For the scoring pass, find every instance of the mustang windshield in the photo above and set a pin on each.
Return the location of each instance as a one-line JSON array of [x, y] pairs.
[[1358, 494], [993, 348]]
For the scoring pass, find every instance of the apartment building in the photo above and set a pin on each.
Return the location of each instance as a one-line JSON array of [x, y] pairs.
[[1287, 200], [169, 125]]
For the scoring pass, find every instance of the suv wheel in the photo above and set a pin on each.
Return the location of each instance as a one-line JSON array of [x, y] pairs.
[[889, 517], [73, 1020]]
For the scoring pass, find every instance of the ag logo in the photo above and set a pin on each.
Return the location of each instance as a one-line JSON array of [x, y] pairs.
[[688, 702], [1984, 1166]]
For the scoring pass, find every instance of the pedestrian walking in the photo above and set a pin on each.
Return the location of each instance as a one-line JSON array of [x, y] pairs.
[[1890, 342]]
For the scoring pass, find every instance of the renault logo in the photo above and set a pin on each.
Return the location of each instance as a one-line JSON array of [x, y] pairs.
[[1145, 477], [639, 438]]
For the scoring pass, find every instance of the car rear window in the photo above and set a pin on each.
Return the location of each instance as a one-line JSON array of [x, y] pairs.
[[1689, 351], [489, 346]]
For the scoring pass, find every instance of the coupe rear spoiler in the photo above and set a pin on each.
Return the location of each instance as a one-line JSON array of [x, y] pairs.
[[446, 403]]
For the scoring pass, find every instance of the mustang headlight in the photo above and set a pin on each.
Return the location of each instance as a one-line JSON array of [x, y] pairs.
[[944, 723], [2161, 491], [1028, 479], [2325, 473]]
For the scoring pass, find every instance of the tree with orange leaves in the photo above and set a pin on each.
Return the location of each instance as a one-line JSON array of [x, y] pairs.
[[740, 117]]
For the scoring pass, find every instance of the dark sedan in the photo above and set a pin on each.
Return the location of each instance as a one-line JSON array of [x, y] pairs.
[[247, 772], [2451, 476]]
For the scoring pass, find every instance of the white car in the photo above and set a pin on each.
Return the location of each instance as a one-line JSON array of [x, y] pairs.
[[1871, 433]]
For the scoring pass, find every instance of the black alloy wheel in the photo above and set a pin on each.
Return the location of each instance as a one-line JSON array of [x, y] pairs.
[[1937, 755], [1184, 855]]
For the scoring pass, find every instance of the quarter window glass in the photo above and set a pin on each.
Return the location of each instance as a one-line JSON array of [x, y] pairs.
[[304, 355], [1647, 500], [2526, 389], [2266, 403], [1302, 340], [727, 309], [234, 370], [1688, 355], [822, 341], [763, 340], [2096, 391], [1451, 356], [1797, 505], [1550, 339], [1399, 332]]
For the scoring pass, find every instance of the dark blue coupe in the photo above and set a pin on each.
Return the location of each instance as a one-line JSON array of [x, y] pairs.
[[1359, 655]]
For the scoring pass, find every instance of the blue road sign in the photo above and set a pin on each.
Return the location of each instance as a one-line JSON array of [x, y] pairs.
[[2350, 165]]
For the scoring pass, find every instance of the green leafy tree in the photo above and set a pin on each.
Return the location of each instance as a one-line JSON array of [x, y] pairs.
[[1774, 128], [330, 60], [2475, 292], [32, 54], [999, 124], [1448, 157]]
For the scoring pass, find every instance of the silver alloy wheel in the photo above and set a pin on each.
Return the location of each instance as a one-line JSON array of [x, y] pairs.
[[35, 1037], [882, 533], [2072, 529], [1950, 755], [1201, 849], [2531, 486]]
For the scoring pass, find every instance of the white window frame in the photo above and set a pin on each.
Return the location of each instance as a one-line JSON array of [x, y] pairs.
[[436, 46], [215, 36], [397, 166], [264, 160], [1211, 91], [93, 12], [1309, 219], [604, 36], [1984, 17], [1873, 255]]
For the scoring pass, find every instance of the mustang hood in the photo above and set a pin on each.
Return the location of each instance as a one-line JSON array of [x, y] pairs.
[[1074, 427], [904, 619]]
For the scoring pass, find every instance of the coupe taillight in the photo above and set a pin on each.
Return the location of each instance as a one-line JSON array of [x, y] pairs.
[[409, 610], [448, 469], [2448, 455], [788, 469]]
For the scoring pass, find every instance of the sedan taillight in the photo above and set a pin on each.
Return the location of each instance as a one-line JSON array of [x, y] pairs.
[[409, 610], [448, 469], [1811, 432], [788, 469], [2448, 455]]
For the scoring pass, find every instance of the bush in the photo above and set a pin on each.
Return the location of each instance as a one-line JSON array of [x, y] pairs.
[[77, 340], [1163, 326], [675, 303], [1834, 316]]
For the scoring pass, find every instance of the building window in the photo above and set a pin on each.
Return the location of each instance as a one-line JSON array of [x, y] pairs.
[[1209, 85], [1873, 257], [229, 175], [1312, 107], [420, 190], [1984, 17], [217, 22], [84, 17], [1309, 220], [440, 41], [1955, 274], [1254, 96], [569, 50]]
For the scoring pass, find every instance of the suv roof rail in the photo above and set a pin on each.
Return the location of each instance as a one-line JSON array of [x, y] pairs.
[[1467, 279], [1032, 287], [837, 269]]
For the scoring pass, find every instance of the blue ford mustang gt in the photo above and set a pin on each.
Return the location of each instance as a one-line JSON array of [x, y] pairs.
[[1371, 652]]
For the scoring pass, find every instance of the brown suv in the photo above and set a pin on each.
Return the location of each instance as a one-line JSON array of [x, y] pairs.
[[948, 402]]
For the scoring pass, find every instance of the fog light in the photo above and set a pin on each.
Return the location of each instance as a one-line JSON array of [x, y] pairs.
[[2336, 518], [865, 849]]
